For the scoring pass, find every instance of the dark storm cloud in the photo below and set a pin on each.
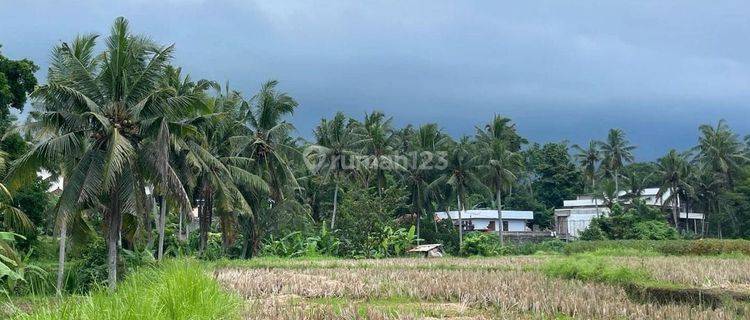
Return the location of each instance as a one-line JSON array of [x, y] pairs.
[[562, 70]]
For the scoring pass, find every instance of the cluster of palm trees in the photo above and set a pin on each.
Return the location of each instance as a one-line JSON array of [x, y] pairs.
[[698, 178], [439, 168], [135, 140], [126, 130]]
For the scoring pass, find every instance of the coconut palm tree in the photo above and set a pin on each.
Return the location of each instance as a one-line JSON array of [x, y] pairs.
[[421, 171], [499, 163], [332, 155], [266, 142], [721, 150], [222, 171], [500, 166], [112, 104], [461, 177], [635, 183], [378, 140], [617, 151], [673, 171], [179, 86], [588, 159]]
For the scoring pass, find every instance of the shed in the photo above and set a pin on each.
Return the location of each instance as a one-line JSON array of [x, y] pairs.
[[429, 250]]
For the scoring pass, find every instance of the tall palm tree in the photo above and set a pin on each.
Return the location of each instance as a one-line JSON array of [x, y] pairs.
[[499, 163], [184, 87], [501, 128], [333, 153], [721, 150], [706, 191], [461, 177], [110, 103], [617, 151], [266, 142], [674, 172], [223, 172], [635, 183], [378, 141], [588, 159], [422, 169], [500, 166]]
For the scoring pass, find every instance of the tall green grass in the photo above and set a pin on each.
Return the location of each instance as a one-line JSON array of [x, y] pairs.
[[179, 289], [589, 267], [702, 247]]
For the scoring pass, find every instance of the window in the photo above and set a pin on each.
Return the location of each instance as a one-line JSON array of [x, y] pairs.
[[505, 225]]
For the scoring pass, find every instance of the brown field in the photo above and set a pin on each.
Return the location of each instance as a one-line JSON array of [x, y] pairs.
[[455, 288]]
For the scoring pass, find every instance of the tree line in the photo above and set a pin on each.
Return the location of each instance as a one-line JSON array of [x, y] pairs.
[[142, 148]]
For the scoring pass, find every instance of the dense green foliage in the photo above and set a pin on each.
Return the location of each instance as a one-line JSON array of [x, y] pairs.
[[481, 244], [17, 80], [180, 289], [639, 221]]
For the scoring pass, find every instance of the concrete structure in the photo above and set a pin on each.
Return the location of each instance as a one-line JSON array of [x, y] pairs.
[[486, 219], [576, 215]]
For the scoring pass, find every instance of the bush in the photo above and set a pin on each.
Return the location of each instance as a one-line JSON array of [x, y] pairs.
[[593, 232], [296, 245], [443, 232], [180, 289], [482, 244], [639, 222], [89, 270], [654, 230]]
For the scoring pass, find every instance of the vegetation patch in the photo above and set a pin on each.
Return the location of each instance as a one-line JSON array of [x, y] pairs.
[[641, 286], [712, 247], [180, 289]]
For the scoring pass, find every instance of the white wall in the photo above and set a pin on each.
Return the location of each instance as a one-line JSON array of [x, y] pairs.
[[513, 224], [579, 222]]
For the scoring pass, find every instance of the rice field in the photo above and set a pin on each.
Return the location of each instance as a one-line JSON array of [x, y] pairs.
[[487, 288]]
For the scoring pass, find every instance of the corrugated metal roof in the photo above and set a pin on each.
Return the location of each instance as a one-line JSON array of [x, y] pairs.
[[488, 214]]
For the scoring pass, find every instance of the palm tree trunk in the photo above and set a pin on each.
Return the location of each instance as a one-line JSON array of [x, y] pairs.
[[113, 235], [335, 203], [179, 226], [460, 223], [162, 222], [61, 256], [617, 184], [419, 215], [500, 217], [675, 215]]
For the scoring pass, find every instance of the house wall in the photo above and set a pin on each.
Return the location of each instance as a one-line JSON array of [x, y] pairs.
[[513, 224]]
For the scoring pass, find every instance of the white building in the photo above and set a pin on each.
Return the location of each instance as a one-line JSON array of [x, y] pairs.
[[486, 219], [576, 215]]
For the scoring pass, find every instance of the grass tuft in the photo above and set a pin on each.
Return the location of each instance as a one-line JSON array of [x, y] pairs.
[[179, 289]]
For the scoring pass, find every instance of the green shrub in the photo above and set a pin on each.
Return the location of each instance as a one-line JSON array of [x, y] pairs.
[[654, 230], [638, 222], [592, 233], [180, 289], [482, 244], [87, 268], [296, 245]]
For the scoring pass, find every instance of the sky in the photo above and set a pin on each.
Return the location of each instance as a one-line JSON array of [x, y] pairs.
[[562, 70]]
